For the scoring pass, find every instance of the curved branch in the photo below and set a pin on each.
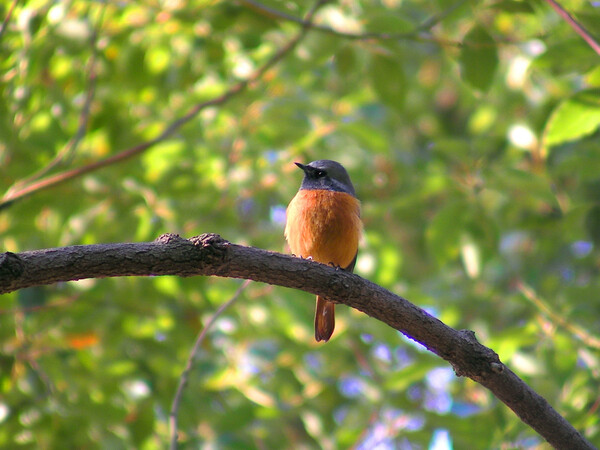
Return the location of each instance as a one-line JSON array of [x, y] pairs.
[[273, 13], [53, 180], [209, 255]]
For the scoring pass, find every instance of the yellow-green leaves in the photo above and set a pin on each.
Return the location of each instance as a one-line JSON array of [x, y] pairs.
[[574, 118]]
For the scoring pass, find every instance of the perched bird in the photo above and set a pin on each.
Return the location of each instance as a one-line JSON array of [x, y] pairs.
[[323, 223]]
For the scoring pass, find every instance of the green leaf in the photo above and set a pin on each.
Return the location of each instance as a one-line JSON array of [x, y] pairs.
[[345, 60], [574, 118], [384, 22], [567, 56], [366, 135], [388, 80], [592, 224], [512, 6], [444, 232], [479, 58], [141, 422]]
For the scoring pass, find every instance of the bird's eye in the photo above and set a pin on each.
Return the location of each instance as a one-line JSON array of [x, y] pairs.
[[320, 173]]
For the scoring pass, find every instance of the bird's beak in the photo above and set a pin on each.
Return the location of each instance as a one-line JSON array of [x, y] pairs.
[[302, 166]]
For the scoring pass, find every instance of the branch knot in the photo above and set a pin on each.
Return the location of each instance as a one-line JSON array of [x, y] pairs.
[[213, 249], [10, 266], [168, 238], [209, 240]]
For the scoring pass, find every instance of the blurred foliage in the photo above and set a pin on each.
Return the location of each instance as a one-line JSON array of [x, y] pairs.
[[473, 144]]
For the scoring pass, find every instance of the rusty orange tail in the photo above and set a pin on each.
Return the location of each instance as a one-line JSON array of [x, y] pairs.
[[324, 319]]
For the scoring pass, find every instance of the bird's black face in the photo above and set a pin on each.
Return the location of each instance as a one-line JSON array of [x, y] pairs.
[[327, 175]]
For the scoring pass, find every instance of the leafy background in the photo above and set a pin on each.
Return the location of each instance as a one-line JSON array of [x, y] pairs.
[[470, 130]]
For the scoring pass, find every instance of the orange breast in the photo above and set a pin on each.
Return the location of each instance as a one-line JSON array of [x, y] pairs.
[[324, 225]]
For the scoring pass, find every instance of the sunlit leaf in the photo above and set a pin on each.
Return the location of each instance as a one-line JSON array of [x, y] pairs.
[[577, 117]]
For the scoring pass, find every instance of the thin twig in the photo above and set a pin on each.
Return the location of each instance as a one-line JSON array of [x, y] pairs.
[[24, 356], [71, 147], [421, 33], [28, 309], [6, 20], [45, 183], [434, 20], [183, 379], [185, 375], [581, 334], [413, 34], [579, 29]]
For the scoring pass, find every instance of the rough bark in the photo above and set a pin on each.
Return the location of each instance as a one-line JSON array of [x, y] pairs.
[[210, 255]]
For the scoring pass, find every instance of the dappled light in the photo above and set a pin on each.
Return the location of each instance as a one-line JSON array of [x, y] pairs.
[[470, 133]]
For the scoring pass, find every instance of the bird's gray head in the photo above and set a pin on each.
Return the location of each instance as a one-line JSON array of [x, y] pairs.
[[326, 174]]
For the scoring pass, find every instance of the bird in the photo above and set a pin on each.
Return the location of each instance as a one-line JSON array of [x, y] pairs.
[[323, 224]]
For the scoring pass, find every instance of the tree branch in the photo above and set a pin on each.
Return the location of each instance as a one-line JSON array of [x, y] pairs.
[[210, 255], [556, 318], [183, 379], [6, 20], [421, 33], [67, 152], [416, 34], [53, 180], [579, 29]]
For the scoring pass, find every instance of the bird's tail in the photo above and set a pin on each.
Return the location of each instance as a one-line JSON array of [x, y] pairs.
[[324, 319]]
